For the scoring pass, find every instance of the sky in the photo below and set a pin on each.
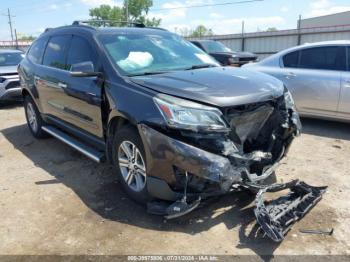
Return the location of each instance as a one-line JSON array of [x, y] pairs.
[[31, 17]]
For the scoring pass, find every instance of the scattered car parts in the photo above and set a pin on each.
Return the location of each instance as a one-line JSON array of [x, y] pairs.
[[277, 216], [317, 232]]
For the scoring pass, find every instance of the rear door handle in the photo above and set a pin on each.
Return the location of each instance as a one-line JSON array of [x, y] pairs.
[[62, 85]]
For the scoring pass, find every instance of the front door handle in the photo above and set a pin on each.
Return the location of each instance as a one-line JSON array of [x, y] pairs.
[[347, 83], [62, 85], [290, 75], [37, 78]]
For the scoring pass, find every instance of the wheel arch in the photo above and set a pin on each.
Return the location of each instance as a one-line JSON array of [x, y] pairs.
[[114, 124], [26, 92]]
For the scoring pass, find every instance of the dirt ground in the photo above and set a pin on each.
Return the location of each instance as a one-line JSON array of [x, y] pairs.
[[55, 201]]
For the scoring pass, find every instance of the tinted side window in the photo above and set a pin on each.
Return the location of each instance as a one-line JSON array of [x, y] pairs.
[[198, 45], [36, 51], [80, 51], [348, 58], [327, 58], [291, 59], [55, 54]]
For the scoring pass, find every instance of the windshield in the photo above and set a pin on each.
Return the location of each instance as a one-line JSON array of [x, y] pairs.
[[10, 59], [214, 47], [136, 54]]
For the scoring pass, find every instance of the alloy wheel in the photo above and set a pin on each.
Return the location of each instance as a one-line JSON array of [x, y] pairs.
[[132, 166], [32, 119]]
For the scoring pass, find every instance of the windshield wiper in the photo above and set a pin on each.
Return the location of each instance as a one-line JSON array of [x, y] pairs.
[[200, 66], [148, 73]]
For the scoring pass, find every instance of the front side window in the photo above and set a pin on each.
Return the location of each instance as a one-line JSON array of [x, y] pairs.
[[80, 51], [326, 58], [291, 60], [36, 50], [10, 59], [140, 54], [55, 54]]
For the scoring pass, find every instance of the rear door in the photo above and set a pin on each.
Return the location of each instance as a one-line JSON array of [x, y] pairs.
[[344, 100], [315, 80], [52, 75]]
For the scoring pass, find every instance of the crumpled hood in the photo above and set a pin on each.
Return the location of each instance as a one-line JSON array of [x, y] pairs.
[[219, 86], [8, 69]]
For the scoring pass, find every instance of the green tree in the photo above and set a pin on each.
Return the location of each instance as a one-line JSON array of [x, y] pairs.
[[271, 29], [137, 10], [23, 37], [201, 30]]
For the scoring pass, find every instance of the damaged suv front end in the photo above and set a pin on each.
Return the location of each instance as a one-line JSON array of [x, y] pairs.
[[211, 150], [206, 130]]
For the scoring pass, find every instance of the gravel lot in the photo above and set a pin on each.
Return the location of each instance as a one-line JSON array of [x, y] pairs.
[[55, 201]]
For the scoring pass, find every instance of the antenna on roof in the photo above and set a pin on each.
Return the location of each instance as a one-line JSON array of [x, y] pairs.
[[104, 23]]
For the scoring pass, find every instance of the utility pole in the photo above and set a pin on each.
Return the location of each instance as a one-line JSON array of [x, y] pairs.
[[243, 39], [10, 21]]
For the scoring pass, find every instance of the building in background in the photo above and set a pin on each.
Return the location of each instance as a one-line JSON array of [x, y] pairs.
[[317, 29], [338, 19]]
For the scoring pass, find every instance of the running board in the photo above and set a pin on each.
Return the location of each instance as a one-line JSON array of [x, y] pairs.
[[76, 144]]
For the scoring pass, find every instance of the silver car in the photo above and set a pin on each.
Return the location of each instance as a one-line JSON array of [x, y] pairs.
[[9, 81], [318, 76]]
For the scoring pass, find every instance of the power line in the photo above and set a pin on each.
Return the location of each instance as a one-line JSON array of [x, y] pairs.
[[206, 5]]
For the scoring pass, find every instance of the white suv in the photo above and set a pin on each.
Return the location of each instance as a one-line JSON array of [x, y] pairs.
[[9, 80]]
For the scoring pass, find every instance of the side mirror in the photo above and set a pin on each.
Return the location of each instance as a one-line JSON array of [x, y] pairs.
[[83, 69]]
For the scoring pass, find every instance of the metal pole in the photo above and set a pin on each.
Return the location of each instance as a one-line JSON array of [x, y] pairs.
[[16, 39], [299, 30], [243, 40]]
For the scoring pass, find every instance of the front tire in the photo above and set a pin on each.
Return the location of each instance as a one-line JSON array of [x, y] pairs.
[[130, 163], [34, 120]]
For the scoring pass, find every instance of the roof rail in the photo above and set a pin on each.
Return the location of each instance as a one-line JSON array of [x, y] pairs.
[[105, 23]]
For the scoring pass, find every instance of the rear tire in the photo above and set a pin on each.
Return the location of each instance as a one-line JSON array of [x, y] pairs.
[[34, 120], [129, 162]]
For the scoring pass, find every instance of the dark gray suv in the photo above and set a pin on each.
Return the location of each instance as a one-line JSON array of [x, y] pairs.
[[175, 125]]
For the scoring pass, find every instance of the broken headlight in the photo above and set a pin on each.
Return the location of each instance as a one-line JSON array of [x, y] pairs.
[[184, 114], [288, 99]]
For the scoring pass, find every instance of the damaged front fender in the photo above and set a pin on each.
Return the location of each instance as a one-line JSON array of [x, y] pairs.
[[164, 153]]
